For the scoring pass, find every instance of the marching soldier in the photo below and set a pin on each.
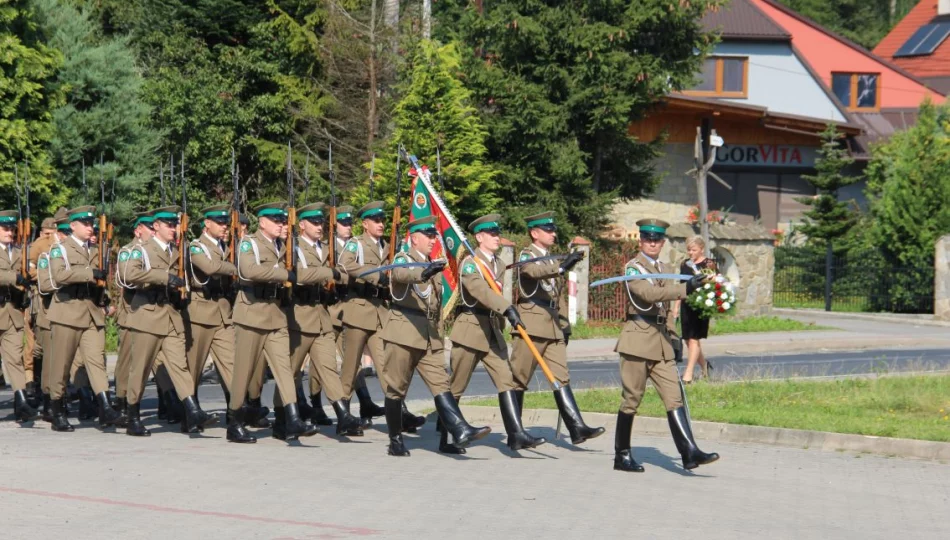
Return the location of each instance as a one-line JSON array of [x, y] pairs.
[[14, 290], [40, 302], [45, 287], [366, 309], [41, 244], [209, 312], [77, 322], [261, 324], [646, 351], [477, 333], [414, 341], [156, 325], [543, 309], [142, 232], [368, 409], [311, 330]]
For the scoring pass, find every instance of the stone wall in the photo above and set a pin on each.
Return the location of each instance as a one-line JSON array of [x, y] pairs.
[[625, 214], [942, 279], [746, 256]]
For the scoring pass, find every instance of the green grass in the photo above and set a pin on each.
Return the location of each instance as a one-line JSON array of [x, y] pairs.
[[605, 329], [906, 407]]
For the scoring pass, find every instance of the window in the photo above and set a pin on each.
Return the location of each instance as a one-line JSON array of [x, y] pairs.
[[723, 76], [857, 91]]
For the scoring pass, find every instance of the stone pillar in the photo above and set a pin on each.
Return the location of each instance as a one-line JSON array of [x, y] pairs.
[[507, 255], [583, 277], [942, 279]]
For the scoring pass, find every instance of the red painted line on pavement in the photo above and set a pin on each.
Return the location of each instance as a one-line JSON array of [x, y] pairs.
[[171, 510]]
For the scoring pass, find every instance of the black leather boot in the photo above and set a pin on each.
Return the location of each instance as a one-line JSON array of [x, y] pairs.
[[346, 423], [683, 437], [463, 433], [306, 411], [162, 406], [122, 405], [623, 454], [410, 422], [519, 398], [236, 431], [394, 417], [59, 421], [257, 414], [87, 404], [195, 417], [107, 415], [368, 409], [21, 407], [279, 427], [445, 446], [319, 416], [175, 411], [518, 438], [134, 425], [47, 410], [295, 426], [571, 414]]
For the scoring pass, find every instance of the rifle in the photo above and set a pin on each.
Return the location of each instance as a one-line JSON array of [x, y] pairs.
[[103, 228], [289, 254], [24, 232], [182, 229], [110, 237], [397, 210], [331, 240], [235, 212]]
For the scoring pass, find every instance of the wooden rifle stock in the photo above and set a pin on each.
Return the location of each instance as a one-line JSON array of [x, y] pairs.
[[182, 254], [102, 242], [331, 247], [289, 252], [397, 216]]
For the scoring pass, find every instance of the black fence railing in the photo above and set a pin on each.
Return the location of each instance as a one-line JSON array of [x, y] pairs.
[[859, 282]]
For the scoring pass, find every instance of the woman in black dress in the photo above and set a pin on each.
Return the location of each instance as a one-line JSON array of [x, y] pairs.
[[694, 328]]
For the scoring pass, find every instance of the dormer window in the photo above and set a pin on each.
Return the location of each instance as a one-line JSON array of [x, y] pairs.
[[857, 91], [723, 76]]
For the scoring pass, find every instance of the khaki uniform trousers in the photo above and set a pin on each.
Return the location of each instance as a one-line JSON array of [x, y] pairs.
[[123, 362], [219, 342], [323, 365], [66, 344], [11, 350], [634, 372], [41, 350], [253, 348], [29, 345], [316, 387], [354, 340], [147, 348], [465, 359], [523, 364], [401, 361]]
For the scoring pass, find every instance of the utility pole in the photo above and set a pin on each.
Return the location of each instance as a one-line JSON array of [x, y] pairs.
[[703, 169]]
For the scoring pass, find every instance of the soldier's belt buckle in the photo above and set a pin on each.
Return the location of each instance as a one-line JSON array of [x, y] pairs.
[[661, 319]]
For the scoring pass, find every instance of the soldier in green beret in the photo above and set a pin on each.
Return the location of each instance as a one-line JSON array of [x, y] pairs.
[[543, 308], [646, 350]]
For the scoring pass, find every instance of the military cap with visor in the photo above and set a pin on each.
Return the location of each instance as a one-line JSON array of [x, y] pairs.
[[85, 214], [372, 210], [313, 212], [344, 215], [275, 211], [652, 229], [543, 221], [424, 225], [143, 218], [8, 218], [487, 224], [167, 215], [219, 213]]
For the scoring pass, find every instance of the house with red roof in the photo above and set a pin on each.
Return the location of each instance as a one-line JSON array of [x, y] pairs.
[[918, 44], [772, 84]]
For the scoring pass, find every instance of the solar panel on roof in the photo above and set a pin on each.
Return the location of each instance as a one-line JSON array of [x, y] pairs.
[[925, 40]]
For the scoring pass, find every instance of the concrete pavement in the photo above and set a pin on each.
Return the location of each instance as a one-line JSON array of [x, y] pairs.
[[102, 485]]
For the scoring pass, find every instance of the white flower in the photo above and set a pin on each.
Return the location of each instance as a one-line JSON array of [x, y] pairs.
[[711, 295], [709, 303], [719, 278], [707, 286], [726, 305]]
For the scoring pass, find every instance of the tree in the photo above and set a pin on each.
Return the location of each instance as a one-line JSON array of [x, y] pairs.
[[828, 219], [558, 83], [104, 114], [435, 113], [27, 100], [908, 186], [865, 22]]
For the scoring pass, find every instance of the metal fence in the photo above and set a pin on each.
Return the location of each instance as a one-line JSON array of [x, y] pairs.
[[859, 282]]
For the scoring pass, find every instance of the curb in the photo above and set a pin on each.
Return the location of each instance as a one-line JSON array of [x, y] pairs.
[[911, 319], [734, 433]]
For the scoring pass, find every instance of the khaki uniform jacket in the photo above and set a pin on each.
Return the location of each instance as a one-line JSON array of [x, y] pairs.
[[260, 268], [360, 254], [313, 272], [44, 284], [10, 313], [152, 309], [540, 303], [126, 293], [74, 302], [37, 307], [650, 299], [415, 319], [478, 331], [210, 280], [336, 310]]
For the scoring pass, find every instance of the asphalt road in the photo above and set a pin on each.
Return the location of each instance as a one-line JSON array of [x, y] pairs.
[[605, 373]]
